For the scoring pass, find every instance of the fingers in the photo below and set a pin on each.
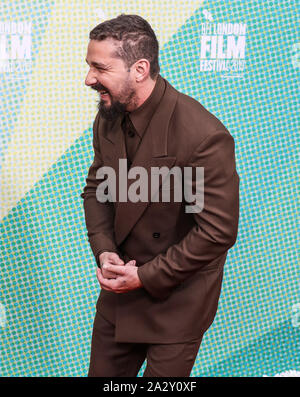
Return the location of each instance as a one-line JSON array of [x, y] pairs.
[[110, 274], [120, 270], [123, 275], [131, 263], [114, 258], [99, 275], [107, 274], [104, 282]]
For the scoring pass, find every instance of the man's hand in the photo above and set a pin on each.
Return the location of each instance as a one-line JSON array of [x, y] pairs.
[[127, 278], [109, 258]]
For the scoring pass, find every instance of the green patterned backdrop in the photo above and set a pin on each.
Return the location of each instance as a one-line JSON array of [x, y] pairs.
[[48, 283]]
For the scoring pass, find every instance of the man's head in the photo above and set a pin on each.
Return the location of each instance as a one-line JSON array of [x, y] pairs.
[[123, 59]]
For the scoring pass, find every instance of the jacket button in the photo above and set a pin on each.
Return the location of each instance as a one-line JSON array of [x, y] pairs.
[[156, 235]]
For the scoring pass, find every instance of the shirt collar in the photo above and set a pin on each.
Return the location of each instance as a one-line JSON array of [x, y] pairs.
[[141, 116]]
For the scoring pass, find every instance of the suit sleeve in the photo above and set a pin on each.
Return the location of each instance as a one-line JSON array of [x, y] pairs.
[[215, 229], [99, 217]]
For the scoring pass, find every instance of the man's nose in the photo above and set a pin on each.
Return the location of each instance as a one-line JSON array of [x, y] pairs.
[[90, 79]]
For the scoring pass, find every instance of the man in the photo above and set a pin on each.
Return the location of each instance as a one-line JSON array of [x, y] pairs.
[[160, 267]]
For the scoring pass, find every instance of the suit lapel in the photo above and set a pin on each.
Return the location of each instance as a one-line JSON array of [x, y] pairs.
[[113, 145], [152, 152]]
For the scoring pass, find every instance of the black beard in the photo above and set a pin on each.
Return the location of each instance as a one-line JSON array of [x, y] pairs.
[[116, 109]]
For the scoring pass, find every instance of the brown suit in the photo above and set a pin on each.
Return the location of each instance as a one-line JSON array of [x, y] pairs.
[[180, 255]]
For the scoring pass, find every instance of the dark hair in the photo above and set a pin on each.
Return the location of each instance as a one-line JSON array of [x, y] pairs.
[[137, 39]]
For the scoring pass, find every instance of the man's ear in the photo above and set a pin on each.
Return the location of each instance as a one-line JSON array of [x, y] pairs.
[[142, 70]]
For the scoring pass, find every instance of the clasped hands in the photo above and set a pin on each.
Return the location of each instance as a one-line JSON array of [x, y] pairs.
[[117, 276]]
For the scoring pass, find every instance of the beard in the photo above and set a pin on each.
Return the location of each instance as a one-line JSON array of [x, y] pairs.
[[117, 106], [112, 111]]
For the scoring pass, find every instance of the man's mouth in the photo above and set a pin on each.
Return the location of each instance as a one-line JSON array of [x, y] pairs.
[[103, 92]]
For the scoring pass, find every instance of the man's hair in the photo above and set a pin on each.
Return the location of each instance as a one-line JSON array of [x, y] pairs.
[[137, 39]]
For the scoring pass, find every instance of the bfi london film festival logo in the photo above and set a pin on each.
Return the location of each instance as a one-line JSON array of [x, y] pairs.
[[138, 191], [15, 48], [222, 47]]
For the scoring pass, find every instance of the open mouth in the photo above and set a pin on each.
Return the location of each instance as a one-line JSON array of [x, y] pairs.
[[103, 92]]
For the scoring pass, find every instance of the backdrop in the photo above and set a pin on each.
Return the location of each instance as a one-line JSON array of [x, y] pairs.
[[240, 59]]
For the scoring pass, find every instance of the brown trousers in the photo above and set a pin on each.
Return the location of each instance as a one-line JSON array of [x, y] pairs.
[[114, 359]]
